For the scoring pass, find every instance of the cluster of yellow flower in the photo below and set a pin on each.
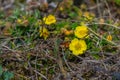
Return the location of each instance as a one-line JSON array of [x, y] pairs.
[[50, 19], [88, 16], [44, 32], [78, 46]]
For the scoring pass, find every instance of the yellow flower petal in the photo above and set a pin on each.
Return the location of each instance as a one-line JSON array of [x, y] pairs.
[[109, 37], [44, 33], [19, 21]]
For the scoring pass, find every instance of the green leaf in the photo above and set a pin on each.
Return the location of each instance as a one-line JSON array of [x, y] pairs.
[[117, 2], [96, 56], [1, 70], [72, 14], [7, 75], [74, 25], [37, 14]]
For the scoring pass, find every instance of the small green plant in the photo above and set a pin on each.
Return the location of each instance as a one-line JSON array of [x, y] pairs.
[[5, 75], [117, 2]]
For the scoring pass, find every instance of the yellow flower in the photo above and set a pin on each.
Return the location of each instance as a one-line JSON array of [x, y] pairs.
[[24, 17], [77, 46], [61, 8], [44, 32], [49, 19], [109, 37], [80, 13], [68, 32], [22, 22], [1, 22], [88, 16], [83, 6], [101, 21], [81, 31], [19, 21]]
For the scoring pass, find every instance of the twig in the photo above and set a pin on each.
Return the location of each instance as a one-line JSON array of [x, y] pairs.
[[108, 59], [8, 48], [93, 23], [108, 8], [30, 67], [22, 76], [93, 61], [57, 52], [94, 7], [36, 65], [40, 74], [47, 55], [66, 62], [99, 11], [102, 37], [105, 24], [55, 10]]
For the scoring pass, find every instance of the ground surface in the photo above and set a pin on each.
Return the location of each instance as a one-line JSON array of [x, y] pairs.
[[25, 55]]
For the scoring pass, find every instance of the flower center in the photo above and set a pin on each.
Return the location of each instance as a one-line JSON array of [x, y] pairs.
[[78, 46], [82, 32], [50, 19]]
